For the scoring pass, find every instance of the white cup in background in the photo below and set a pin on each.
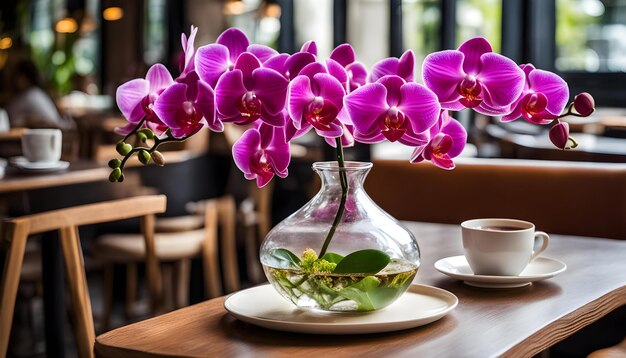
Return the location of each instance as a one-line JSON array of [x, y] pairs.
[[4, 121], [42, 145], [501, 247]]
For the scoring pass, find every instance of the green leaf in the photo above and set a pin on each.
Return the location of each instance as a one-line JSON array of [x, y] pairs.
[[366, 261], [368, 295], [332, 257], [358, 293], [283, 258]]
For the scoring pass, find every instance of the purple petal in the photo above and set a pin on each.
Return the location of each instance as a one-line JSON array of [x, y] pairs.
[[248, 144], [228, 93], [310, 47], [406, 66], [169, 103], [420, 105], [392, 83], [267, 133], [297, 61], [299, 96], [357, 74], [211, 62], [412, 139], [275, 120], [516, 111], [186, 131], [473, 49], [442, 72], [418, 154], [188, 49], [277, 63], [365, 105], [372, 138], [247, 63], [337, 71], [312, 69], [236, 42], [343, 54], [387, 66], [129, 96], [502, 80], [271, 88], [486, 109], [278, 151], [329, 88], [159, 77], [553, 86], [206, 103], [291, 132], [191, 80], [335, 130], [459, 136], [262, 52], [125, 129]]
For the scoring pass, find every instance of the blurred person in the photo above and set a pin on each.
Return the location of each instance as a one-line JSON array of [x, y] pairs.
[[30, 105]]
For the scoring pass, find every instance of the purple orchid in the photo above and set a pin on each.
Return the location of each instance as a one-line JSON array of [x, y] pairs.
[[474, 77], [543, 98], [403, 67], [447, 140], [356, 71], [187, 107], [136, 98], [211, 61], [250, 92], [186, 63], [260, 153], [315, 102], [393, 109]]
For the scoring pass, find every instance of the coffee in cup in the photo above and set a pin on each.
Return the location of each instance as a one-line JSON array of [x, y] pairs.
[[42, 145], [501, 247]]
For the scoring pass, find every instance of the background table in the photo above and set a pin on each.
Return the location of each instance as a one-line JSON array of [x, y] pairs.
[[521, 321]]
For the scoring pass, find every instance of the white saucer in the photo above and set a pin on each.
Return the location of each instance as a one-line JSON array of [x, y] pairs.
[[539, 269], [263, 306], [24, 164]]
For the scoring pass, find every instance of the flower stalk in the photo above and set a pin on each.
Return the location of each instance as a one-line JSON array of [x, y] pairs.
[[343, 179]]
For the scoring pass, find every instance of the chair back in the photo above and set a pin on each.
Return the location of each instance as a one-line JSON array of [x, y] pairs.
[[66, 222], [586, 199]]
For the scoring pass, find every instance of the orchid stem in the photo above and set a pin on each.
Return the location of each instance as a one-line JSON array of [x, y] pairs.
[[343, 179]]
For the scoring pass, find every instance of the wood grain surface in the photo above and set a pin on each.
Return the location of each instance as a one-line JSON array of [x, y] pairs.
[[487, 322], [78, 172]]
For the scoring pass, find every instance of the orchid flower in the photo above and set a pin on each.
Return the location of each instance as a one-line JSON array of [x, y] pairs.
[[186, 63], [474, 77], [211, 61], [250, 92], [187, 107], [260, 153], [447, 140], [393, 109], [402, 67], [356, 71], [316, 102], [543, 98], [136, 98]]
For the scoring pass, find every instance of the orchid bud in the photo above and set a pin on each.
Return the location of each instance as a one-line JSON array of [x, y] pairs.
[[144, 156], [559, 134], [114, 163], [147, 132], [115, 175], [121, 178], [158, 158], [123, 148], [584, 104], [142, 137]]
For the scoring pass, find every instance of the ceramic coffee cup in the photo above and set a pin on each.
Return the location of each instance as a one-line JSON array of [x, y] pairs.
[[42, 145], [501, 247]]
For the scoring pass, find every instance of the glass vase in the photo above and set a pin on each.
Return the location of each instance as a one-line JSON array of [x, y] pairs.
[[290, 253]]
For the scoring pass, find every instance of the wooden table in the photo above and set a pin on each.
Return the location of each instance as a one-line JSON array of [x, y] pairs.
[[78, 172], [519, 322]]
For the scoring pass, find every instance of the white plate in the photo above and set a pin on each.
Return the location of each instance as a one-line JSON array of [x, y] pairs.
[[539, 269], [24, 164], [263, 306]]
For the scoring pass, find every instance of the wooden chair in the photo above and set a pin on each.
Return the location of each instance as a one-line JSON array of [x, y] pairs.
[[177, 241], [66, 222]]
